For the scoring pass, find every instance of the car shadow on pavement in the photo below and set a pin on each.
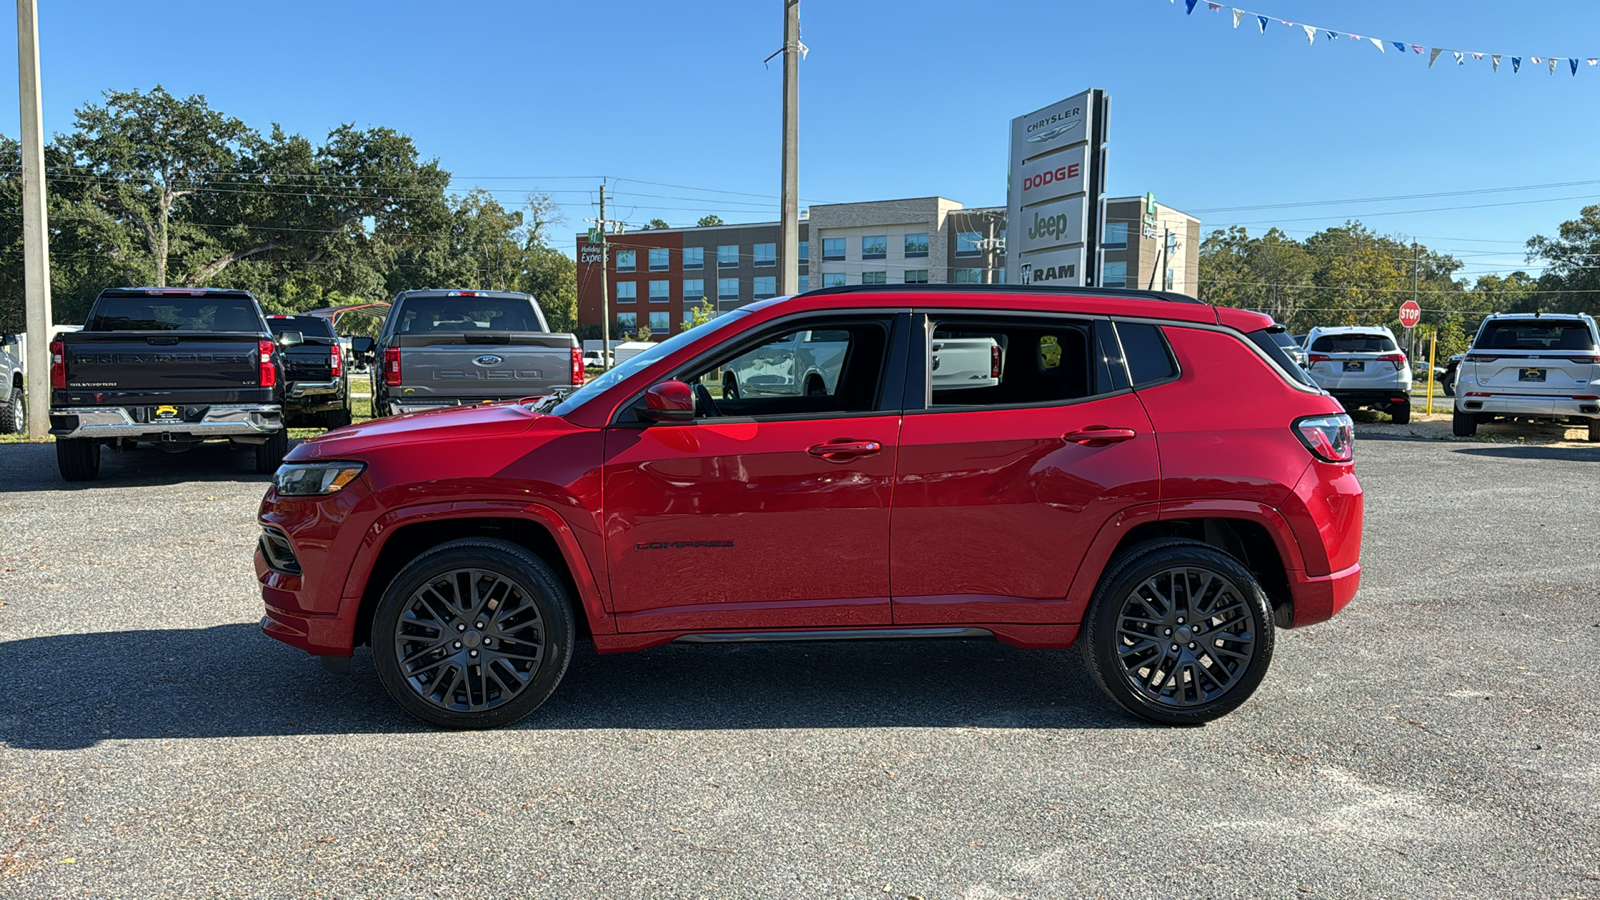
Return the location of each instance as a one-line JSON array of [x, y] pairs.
[[73, 690], [32, 467], [1535, 451]]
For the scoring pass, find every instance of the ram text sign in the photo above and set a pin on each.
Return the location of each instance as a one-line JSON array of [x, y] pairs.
[[1053, 191]]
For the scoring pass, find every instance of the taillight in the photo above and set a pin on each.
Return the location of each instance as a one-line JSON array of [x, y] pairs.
[[336, 365], [1399, 360], [391, 367], [1315, 358], [1329, 438], [1584, 360], [994, 360], [1480, 357], [58, 365], [269, 373], [577, 367]]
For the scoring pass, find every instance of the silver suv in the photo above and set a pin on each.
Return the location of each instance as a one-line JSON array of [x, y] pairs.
[[1361, 365], [1530, 366]]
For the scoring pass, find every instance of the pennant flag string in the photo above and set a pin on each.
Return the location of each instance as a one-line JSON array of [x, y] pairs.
[[1460, 56]]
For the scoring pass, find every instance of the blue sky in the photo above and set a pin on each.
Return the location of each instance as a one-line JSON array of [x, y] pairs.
[[900, 99]]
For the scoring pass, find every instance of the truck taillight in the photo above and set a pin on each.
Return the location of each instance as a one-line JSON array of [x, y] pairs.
[[994, 360], [58, 365], [269, 373], [577, 367], [391, 366], [336, 364]]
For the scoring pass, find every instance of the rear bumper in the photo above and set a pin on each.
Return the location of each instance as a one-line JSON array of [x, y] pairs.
[[117, 422], [1367, 397], [299, 389], [1497, 404], [1318, 597]]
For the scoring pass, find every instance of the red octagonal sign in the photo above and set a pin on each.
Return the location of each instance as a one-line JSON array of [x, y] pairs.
[[1410, 314]]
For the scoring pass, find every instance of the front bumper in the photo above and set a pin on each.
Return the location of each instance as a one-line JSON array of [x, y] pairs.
[[117, 422], [1532, 405]]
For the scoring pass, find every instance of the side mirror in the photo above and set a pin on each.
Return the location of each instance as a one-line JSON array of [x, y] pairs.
[[291, 339], [669, 401], [362, 346]]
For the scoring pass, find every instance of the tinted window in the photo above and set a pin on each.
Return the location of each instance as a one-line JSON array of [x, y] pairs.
[[834, 367], [633, 364], [1274, 346], [1024, 361], [1535, 335], [447, 314], [233, 314], [310, 326], [1146, 351], [1353, 343]]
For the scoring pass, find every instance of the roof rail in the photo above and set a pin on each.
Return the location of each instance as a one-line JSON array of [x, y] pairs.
[[1007, 289]]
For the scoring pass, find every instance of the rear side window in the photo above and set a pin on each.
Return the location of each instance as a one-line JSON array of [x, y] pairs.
[[1531, 334], [175, 314], [1148, 356], [1353, 343], [1273, 346], [982, 362]]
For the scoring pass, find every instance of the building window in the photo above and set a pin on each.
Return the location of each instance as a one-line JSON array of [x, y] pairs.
[[1167, 284], [917, 245], [660, 259], [627, 321], [969, 276], [874, 277], [660, 291], [627, 291], [833, 279], [805, 283], [765, 287], [916, 276], [1115, 275], [688, 319], [728, 255], [727, 288], [833, 248], [999, 277], [694, 257], [694, 290], [660, 322], [874, 247], [766, 254], [626, 260], [1116, 235], [967, 243], [805, 252]]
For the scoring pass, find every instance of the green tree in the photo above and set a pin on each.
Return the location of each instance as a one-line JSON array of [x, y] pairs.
[[656, 225], [702, 312], [1572, 275], [709, 220], [643, 334], [552, 277]]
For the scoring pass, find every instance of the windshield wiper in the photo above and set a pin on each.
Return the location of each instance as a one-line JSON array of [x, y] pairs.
[[549, 401]]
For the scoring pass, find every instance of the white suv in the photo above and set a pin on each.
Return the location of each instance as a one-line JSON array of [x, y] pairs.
[[1531, 366], [1361, 365]]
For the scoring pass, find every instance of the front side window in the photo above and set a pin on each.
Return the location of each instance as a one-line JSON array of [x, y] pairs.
[[694, 289], [660, 259], [627, 260], [976, 362], [917, 245], [833, 279], [627, 291], [874, 277], [967, 243], [765, 287], [660, 322], [694, 257], [727, 288], [916, 276], [827, 367], [766, 254], [969, 276], [728, 255], [1115, 275], [660, 291], [875, 246], [833, 248], [1116, 235]]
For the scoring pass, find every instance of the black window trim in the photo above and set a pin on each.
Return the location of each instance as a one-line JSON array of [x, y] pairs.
[[1172, 355]]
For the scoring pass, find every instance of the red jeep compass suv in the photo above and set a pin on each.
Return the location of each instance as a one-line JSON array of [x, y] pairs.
[[1139, 473]]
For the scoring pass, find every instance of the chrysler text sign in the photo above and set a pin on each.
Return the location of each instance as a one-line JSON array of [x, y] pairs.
[[1053, 197]]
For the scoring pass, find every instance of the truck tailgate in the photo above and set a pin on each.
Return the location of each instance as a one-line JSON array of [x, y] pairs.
[[110, 368], [483, 366]]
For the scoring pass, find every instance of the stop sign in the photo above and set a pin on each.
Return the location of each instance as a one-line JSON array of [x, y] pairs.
[[1410, 314]]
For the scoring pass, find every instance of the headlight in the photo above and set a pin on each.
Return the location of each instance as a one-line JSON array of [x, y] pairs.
[[315, 479]]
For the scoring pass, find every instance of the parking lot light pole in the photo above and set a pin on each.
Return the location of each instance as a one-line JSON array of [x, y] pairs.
[[35, 237]]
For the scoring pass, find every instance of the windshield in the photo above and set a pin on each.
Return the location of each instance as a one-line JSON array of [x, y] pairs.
[[643, 361], [1353, 343], [175, 314], [310, 326]]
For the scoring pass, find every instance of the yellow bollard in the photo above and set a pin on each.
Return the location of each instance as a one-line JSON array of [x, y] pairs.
[[1433, 348]]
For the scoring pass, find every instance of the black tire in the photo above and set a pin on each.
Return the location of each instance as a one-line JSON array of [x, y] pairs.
[[1231, 648], [1594, 431], [1401, 413], [730, 387], [438, 593], [337, 418], [270, 453], [78, 458], [816, 387], [1464, 424], [1449, 384], [13, 414]]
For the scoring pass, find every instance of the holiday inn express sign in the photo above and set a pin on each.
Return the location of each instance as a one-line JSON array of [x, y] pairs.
[[1056, 178]]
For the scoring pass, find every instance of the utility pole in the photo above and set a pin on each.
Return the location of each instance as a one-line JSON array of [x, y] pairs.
[[605, 287], [789, 219], [35, 235]]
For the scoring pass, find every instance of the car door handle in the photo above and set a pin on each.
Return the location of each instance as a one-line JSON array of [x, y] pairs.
[[844, 449], [1099, 434]]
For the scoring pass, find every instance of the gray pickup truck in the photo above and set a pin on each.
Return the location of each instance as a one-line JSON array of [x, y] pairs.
[[13, 412], [459, 347]]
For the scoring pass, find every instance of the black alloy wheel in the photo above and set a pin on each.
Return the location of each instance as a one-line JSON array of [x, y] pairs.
[[1178, 633], [475, 633]]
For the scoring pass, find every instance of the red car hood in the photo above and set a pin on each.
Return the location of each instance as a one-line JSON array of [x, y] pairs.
[[464, 422]]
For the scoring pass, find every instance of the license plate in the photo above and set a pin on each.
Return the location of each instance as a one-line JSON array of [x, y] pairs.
[[1531, 375], [165, 414], [1354, 365]]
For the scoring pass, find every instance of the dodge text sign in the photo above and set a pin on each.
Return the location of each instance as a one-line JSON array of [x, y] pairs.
[[1053, 195]]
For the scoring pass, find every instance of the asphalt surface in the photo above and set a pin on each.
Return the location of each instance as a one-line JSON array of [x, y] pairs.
[[1441, 737]]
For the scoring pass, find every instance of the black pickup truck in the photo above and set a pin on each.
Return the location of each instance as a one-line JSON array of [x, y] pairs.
[[168, 366], [316, 390]]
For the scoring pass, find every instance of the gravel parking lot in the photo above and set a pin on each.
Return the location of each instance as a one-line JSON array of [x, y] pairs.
[[1441, 737]]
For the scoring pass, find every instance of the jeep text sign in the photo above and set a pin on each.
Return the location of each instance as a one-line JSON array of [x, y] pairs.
[[1053, 192]]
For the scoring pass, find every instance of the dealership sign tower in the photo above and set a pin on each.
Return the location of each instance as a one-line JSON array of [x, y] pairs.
[[1056, 181]]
